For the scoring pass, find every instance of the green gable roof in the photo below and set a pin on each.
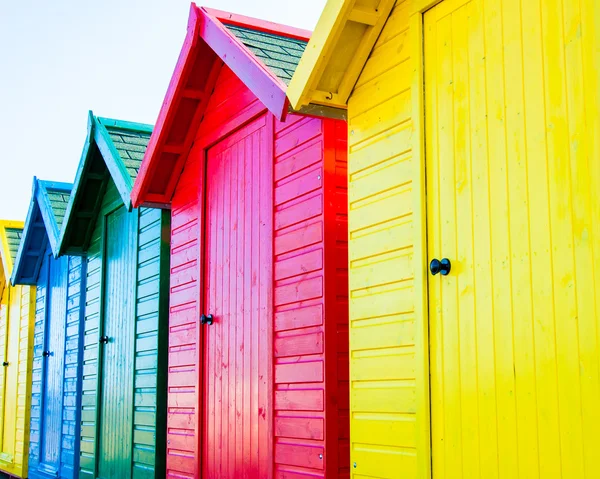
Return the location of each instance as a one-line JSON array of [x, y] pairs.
[[131, 146], [59, 200], [13, 237], [280, 54], [113, 149]]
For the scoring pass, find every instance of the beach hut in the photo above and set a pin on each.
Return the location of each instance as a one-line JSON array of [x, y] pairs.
[[258, 364], [126, 258], [474, 226], [17, 309], [57, 351]]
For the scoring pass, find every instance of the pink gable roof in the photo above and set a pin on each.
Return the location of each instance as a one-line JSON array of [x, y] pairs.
[[208, 44]]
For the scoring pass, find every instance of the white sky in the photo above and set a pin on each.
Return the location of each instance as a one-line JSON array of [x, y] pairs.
[[61, 58]]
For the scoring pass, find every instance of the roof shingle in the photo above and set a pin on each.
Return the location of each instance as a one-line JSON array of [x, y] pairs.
[[279, 53]]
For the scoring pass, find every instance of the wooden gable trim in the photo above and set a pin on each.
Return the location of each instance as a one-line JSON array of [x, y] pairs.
[[175, 92], [22, 252], [7, 263], [207, 26], [267, 87], [304, 90], [46, 210], [98, 134], [259, 25]]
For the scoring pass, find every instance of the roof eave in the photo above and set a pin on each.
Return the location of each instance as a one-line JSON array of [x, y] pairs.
[[15, 277], [75, 192], [205, 25], [303, 90], [152, 155]]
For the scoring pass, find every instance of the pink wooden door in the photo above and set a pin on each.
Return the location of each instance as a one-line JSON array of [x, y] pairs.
[[237, 396]]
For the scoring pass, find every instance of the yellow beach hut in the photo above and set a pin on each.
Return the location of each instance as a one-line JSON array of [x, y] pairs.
[[17, 312], [474, 231]]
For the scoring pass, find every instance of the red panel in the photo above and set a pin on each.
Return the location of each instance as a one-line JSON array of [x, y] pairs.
[[275, 362], [336, 289], [183, 334], [310, 236], [238, 346]]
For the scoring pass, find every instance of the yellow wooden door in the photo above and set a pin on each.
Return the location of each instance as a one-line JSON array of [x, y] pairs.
[[513, 174], [11, 368]]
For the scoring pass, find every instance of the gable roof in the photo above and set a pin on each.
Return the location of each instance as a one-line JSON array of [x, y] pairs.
[[113, 149], [337, 53], [42, 227], [262, 54], [10, 237]]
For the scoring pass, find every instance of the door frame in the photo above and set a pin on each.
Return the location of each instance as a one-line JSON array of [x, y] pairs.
[[103, 216], [201, 149], [422, 352]]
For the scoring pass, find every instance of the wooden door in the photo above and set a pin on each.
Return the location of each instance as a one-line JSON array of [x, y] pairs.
[[11, 368], [512, 179], [51, 421], [4, 313], [115, 431], [237, 438]]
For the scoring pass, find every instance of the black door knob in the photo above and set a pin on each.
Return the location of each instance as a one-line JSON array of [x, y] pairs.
[[443, 267], [206, 319], [5, 363], [46, 354], [104, 340]]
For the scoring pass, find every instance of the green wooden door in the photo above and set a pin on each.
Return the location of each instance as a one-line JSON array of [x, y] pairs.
[[117, 347]]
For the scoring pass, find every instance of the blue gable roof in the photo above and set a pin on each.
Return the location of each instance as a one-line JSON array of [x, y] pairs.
[[45, 216]]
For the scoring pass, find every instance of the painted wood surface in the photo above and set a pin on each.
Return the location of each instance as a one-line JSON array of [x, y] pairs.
[[55, 383], [512, 181], [17, 312], [509, 118], [237, 349], [134, 445], [304, 404], [383, 323], [51, 309]]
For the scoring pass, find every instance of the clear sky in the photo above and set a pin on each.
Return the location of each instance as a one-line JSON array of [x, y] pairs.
[[61, 58]]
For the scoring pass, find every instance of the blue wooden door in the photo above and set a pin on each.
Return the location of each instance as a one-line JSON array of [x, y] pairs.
[[53, 364], [116, 397]]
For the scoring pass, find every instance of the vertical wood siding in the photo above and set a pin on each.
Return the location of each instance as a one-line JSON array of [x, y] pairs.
[[53, 413], [17, 322], [381, 247], [114, 440], [237, 370], [513, 173], [37, 370], [4, 314], [148, 389], [229, 101], [70, 411]]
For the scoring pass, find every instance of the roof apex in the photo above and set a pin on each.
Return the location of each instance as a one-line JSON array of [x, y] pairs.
[[208, 42]]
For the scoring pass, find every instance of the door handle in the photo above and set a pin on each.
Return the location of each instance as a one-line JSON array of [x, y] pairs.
[[46, 354], [5, 363], [206, 319], [104, 340], [443, 267]]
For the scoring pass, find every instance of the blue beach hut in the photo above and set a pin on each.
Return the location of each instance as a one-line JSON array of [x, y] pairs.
[[57, 349]]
